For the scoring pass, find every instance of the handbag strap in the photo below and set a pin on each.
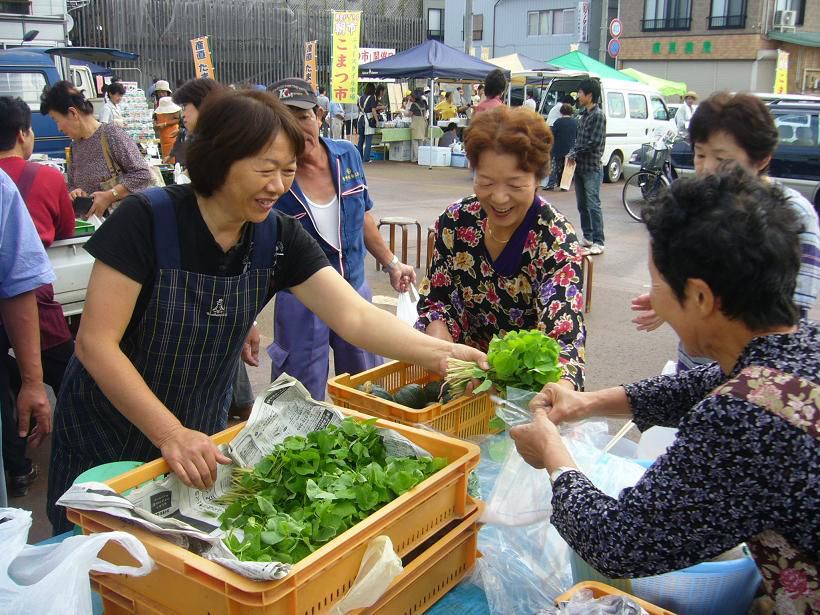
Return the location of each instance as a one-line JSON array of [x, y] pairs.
[[112, 165]]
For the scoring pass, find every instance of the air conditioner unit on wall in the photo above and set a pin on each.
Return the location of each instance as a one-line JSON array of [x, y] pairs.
[[785, 19]]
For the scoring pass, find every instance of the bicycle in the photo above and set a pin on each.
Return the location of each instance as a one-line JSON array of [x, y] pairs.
[[656, 174]]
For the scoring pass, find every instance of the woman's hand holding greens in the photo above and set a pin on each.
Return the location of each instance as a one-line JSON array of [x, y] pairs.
[[192, 456]]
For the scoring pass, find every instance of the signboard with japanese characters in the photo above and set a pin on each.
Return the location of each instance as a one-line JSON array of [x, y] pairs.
[[371, 54], [310, 64], [781, 74], [344, 71], [203, 63], [583, 21]]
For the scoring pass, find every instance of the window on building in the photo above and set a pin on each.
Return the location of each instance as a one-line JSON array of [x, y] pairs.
[[435, 24], [798, 6], [659, 111], [478, 27], [615, 105], [563, 22], [16, 7], [727, 14], [27, 86], [661, 15], [539, 23], [637, 107]]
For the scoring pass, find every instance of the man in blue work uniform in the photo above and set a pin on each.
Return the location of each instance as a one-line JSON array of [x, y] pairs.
[[331, 199]]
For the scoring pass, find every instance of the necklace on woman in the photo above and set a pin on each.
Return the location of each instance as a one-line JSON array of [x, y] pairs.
[[494, 238]]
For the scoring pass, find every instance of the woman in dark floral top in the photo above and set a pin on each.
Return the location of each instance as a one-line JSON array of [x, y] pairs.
[[745, 465], [505, 259]]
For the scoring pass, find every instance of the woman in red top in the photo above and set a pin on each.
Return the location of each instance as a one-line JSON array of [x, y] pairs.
[[494, 86]]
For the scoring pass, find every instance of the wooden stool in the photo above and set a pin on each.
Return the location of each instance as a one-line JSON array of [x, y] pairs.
[[586, 279], [431, 243], [395, 221]]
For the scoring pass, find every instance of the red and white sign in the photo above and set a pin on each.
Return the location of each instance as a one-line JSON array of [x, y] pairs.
[[583, 21], [615, 28], [371, 54]]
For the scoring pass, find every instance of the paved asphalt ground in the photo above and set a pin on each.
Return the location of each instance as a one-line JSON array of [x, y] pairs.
[[616, 353]]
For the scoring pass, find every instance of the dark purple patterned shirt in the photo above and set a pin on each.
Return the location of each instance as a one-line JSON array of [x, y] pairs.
[[88, 166]]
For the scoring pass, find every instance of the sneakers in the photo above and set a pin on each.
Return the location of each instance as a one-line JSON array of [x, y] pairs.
[[594, 249], [18, 485], [585, 243]]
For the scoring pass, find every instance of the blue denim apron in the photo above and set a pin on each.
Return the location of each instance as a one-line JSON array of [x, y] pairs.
[[186, 348]]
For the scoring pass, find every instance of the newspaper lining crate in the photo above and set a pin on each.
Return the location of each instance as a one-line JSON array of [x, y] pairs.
[[424, 580], [462, 417], [318, 581]]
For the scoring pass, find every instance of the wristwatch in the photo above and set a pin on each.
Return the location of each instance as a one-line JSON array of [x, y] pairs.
[[393, 262], [115, 194], [559, 471]]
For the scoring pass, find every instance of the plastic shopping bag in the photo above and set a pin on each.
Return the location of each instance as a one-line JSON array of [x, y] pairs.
[[380, 566], [406, 306], [54, 578]]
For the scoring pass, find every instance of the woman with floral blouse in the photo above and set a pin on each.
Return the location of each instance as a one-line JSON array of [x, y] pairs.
[[505, 259], [745, 465]]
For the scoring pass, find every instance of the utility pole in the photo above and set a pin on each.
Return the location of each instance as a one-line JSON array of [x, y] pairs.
[[468, 27]]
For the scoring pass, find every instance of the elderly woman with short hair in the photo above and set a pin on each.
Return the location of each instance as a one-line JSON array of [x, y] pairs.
[[180, 275], [504, 258], [745, 465]]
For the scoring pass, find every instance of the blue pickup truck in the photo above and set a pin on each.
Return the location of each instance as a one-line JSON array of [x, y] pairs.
[[26, 71]]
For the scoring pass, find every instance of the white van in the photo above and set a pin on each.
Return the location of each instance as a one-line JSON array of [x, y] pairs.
[[633, 112]]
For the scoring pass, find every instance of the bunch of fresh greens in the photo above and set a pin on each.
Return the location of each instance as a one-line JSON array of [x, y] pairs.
[[311, 489], [522, 359]]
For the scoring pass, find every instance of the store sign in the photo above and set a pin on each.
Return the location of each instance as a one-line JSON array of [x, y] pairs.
[[203, 63], [344, 71], [371, 54], [310, 64], [583, 22], [781, 74]]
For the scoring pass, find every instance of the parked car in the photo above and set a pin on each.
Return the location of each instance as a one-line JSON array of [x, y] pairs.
[[633, 112], [796, 161]]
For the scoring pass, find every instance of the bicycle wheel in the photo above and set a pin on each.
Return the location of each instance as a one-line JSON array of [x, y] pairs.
[[639, 189]]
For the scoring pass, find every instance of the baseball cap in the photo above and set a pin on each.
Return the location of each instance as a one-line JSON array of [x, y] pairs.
[[295, 93]]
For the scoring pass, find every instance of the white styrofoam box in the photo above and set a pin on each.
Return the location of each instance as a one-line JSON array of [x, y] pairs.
[[434, 156], [458, 159], [401, 151]]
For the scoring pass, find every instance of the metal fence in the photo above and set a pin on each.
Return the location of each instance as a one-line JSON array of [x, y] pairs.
[[252, 41]]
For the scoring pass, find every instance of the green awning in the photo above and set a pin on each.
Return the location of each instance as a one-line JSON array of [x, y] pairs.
[[664, 86], [575, 60], [806, 39]]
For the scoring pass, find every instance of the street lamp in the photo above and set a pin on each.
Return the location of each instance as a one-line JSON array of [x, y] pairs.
[[29, 36]]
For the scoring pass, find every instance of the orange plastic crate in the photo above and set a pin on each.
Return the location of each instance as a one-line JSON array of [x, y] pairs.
[[429, 576], [462, 417], [185, 582], [601, 589]]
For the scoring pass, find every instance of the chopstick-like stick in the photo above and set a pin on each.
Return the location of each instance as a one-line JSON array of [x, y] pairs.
[[624, 430]]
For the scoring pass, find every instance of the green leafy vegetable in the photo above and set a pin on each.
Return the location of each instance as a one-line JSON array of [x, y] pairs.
[[311, 489], [522, 359]]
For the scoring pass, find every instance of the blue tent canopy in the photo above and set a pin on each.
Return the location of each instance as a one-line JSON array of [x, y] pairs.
[[430, 60]]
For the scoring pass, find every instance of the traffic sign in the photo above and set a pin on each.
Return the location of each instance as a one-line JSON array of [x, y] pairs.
[[614, 47], [615, 28]]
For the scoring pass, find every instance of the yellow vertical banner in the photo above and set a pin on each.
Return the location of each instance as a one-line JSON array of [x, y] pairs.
[[781, 75], [310, 64], [202, 58], [344, 71]]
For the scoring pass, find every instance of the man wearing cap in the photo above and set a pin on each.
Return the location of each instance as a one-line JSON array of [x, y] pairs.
[[331, 199], [686, 111]]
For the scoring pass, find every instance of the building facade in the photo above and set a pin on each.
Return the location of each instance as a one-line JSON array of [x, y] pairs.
[[723, 44], [539, 29], [48, 17]]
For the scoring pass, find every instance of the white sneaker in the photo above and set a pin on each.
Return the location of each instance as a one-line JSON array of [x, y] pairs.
[[594, 249], [585, 243]]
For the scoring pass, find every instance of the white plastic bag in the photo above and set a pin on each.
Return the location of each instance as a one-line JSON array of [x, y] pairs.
[[54, 578], [406, 306], [179, 175], [380, 565]]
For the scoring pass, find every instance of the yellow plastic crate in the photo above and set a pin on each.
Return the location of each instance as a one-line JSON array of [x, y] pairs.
[[600, 589], [185, 582], [461, 417]]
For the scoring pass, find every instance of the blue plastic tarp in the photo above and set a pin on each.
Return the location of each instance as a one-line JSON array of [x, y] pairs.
[[430, 60]]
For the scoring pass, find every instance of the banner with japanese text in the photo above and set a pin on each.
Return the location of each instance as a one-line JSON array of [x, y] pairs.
[[202, 58], [781, 74], [344, 73], [310, 64], [371, 54]]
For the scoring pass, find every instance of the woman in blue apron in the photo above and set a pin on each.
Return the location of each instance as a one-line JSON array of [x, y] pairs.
[[180, 275]]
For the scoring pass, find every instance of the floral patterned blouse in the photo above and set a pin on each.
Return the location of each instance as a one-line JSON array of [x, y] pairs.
[[535, 282], [745, 466]]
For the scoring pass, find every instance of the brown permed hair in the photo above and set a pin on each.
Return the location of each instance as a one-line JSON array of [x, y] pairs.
[[744, 116], [233, 126], [518, 131]]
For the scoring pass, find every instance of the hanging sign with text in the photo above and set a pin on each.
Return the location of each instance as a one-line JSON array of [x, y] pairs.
[[344, 72]]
